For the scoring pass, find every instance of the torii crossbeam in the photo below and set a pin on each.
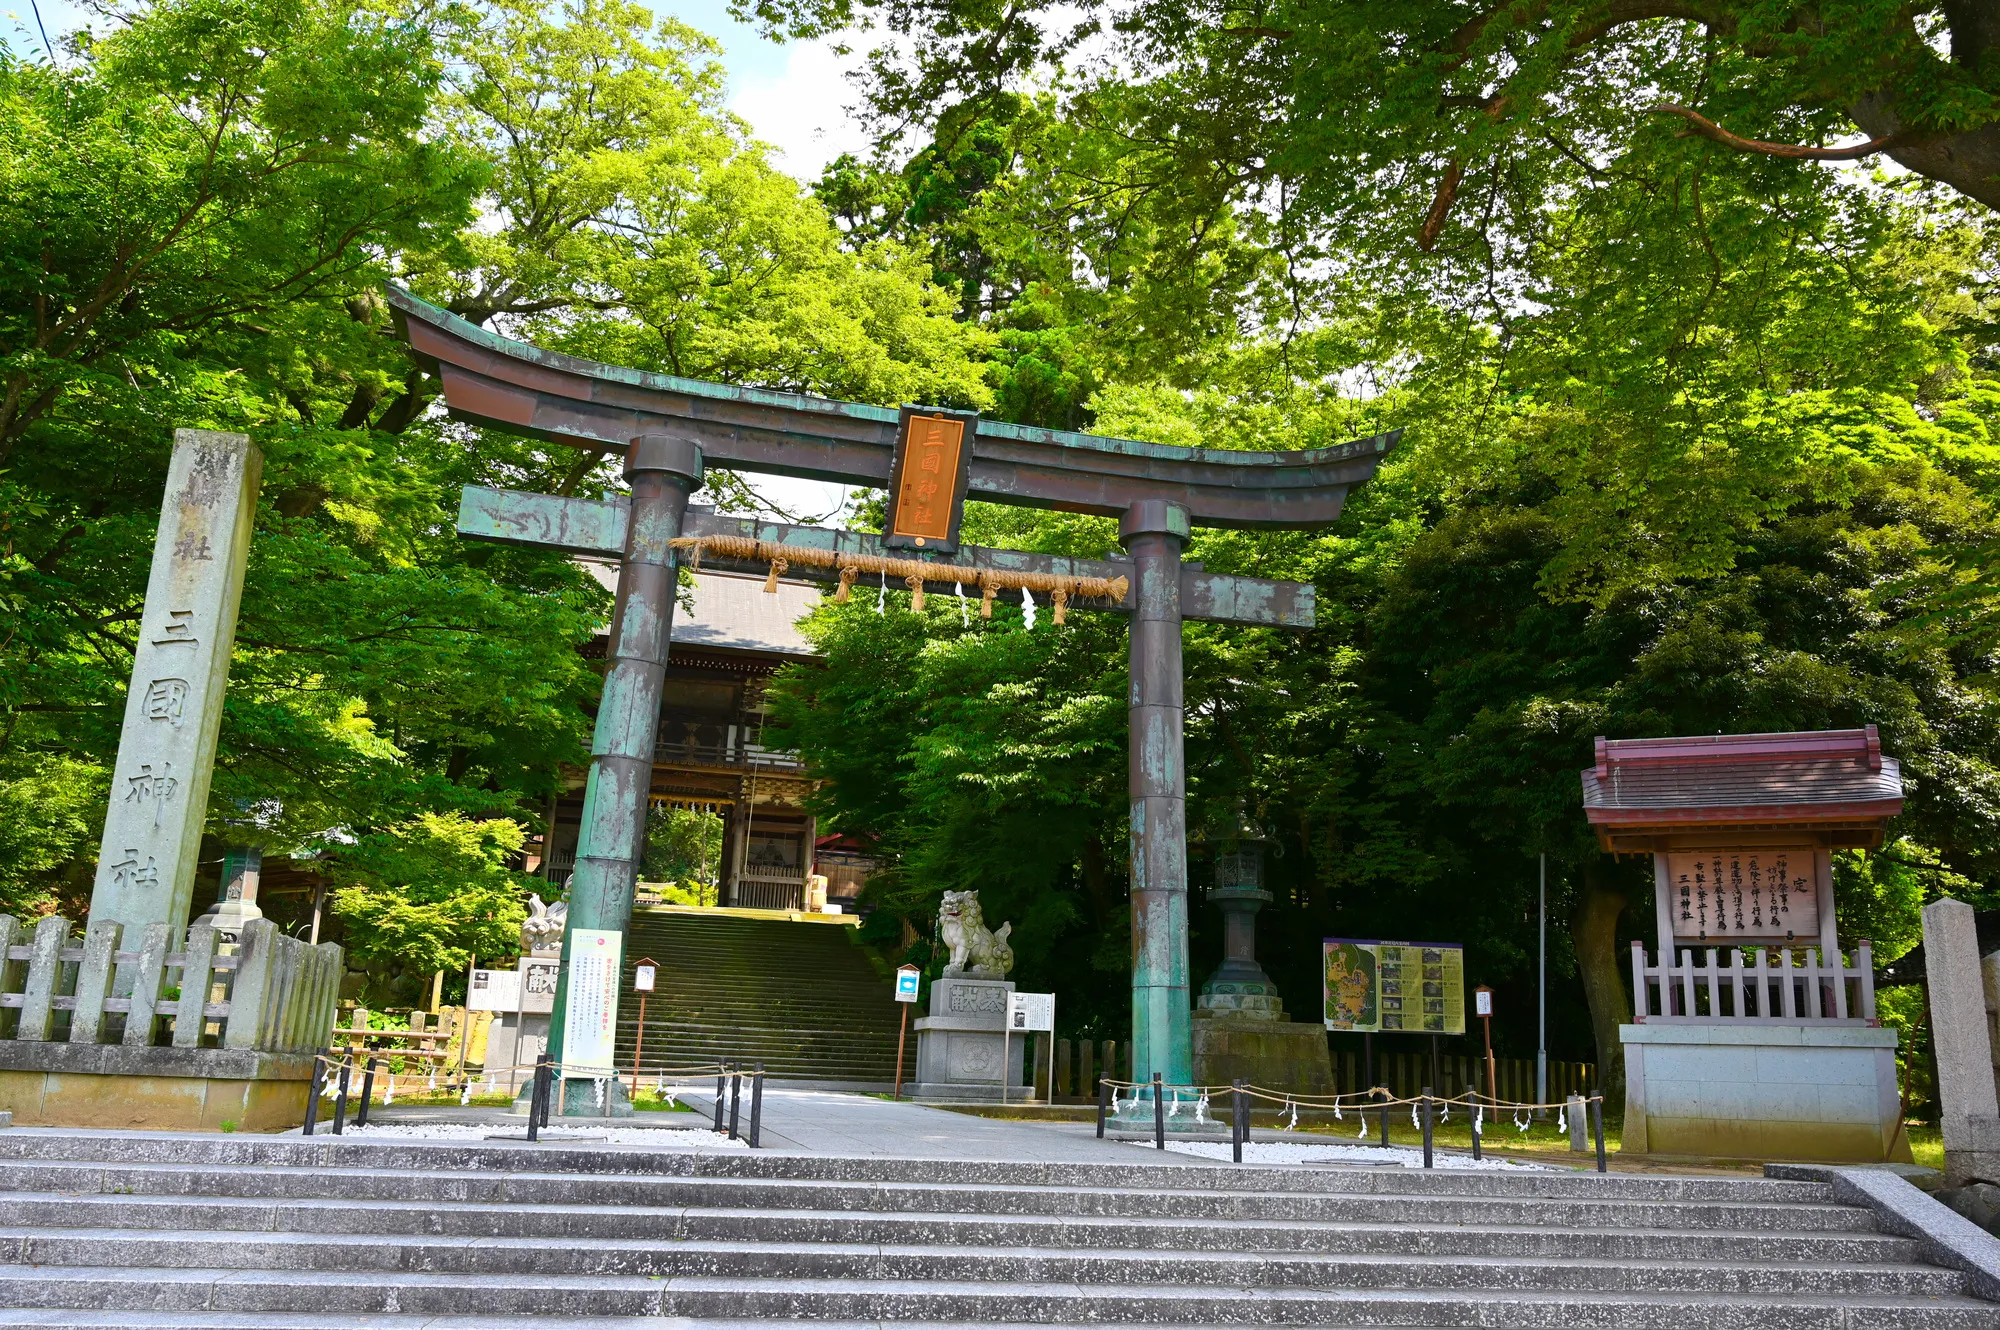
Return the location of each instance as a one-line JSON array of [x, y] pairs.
[[669, 428]]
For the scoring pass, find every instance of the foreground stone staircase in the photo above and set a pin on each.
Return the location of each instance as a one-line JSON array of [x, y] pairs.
[[801, 997], [221, 1232]]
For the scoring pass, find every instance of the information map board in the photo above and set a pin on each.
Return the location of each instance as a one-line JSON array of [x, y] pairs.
[[1373, 987]]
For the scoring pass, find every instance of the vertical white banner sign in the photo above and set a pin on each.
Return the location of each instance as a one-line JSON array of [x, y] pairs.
[[590, 1022]]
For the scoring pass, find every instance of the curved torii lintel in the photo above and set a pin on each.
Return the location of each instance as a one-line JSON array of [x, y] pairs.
[[493, 380]]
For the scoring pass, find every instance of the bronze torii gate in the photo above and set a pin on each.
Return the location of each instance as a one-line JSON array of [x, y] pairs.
[[669, 428]]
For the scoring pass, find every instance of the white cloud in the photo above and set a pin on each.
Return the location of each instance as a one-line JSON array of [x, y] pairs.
[[802, 110]]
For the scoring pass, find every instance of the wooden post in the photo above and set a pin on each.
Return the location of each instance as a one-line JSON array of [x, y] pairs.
[[1483, 1002], [902, 1033], [38, 998], [256, 969], [197, 964], [146, 986], [93, 981]]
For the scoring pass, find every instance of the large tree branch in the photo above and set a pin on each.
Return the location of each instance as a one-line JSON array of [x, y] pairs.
[[1701, 126], [1447, 194]]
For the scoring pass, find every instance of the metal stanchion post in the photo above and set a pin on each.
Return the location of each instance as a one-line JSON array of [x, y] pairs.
[[537, 1088], [1427, 1126], [1597, 1127], [1236, 1125], [1103, 1104], [756, 1102], [1385, 1123], [1476, 1123], [721, 1084], [340, 1102], [367, 1090], [1159, 1114], [313, 1093], [735, 1098], [552, 1085]]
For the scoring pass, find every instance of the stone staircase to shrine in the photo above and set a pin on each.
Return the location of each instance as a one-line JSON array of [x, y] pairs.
[[801, 997], [226, 1233]]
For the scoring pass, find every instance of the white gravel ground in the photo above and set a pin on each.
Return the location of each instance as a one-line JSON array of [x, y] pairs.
[[664, 1138], [1371, 1156]]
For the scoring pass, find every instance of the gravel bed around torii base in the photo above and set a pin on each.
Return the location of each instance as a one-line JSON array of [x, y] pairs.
[[1360, 1156]]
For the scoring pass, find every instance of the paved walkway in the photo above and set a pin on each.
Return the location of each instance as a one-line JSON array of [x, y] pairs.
[[825, 1122]]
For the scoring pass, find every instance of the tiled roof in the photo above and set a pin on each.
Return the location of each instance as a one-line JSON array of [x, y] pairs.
[[1759, 784], [1828, 773], [734, 613]]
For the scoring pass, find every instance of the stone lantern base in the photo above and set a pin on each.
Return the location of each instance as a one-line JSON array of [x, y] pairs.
[[1288, 1056]]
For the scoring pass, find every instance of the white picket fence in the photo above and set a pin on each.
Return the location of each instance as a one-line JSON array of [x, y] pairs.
[[1754, 986], [266, 991]]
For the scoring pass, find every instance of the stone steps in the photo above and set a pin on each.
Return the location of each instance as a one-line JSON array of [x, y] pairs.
[[783, 1260], [528, 1188], [707, 1296], [694, 1223], [222, 1231], [803, 999]]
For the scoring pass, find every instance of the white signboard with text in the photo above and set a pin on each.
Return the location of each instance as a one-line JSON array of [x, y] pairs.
[[590, 1020], [500, 990], [1031, 1011]]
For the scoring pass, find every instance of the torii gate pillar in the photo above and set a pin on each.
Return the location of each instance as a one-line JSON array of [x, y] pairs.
[[662, 471], [1155, 531]]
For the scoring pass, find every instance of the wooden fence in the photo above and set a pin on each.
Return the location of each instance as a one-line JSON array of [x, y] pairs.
[[1407, 1073], [266, 991], [1753, 986]]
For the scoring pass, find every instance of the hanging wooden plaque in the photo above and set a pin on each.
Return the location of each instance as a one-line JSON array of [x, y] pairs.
[[927, 483], [1767, 894]]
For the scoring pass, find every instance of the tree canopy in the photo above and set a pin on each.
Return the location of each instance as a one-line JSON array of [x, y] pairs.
[[1698, 399]]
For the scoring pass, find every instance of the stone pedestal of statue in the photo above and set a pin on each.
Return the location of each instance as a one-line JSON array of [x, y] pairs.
[[962, 1045]]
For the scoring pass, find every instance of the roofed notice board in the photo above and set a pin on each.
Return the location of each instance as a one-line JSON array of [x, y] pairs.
[[1375, 987]]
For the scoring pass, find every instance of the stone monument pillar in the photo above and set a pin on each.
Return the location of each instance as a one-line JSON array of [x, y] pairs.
[[173, 713], [1961, 1040]]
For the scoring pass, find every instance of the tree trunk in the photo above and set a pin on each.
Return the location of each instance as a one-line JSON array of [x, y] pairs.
[[1969, 162], [1594, 930]]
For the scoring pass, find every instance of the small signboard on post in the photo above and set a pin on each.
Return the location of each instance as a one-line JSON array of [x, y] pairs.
[[1031, 1011], [909, 980], [502, 991], [642, 977], [1026, 1012]]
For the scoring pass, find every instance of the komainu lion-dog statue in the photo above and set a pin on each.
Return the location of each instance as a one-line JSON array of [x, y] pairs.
[[977, 952]]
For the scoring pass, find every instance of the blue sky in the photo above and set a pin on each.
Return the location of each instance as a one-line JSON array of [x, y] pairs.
[[793, 94]]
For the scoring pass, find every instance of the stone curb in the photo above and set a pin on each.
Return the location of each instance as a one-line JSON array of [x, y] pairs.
[[1944, 1236]]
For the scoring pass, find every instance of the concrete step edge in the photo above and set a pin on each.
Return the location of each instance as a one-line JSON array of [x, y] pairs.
[[1038, 1294], [365, 1209]]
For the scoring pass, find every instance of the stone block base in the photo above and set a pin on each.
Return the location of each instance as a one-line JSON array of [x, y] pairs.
[[585, 1098], [156, 1089], [1281, 1055], [960, 1092], [1823, 1093]]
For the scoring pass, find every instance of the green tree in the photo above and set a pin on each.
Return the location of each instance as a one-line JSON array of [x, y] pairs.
[[428, 895]]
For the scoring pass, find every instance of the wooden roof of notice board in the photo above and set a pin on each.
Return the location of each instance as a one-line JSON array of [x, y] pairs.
[[1833, 782]]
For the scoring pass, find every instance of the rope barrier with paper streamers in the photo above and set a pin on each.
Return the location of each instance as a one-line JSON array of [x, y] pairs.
[[915, 573], [1380, 1099]]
